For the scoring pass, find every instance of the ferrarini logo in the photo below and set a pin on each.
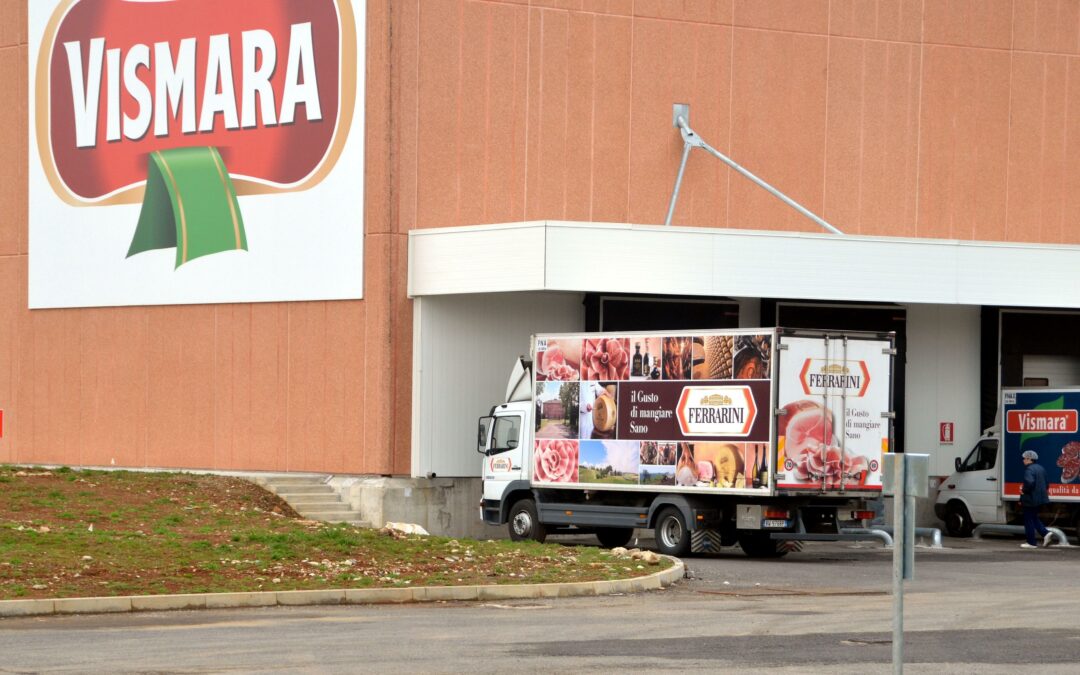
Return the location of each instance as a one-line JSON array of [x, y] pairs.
[[1041, 421], [183, 105], [819, 376], [716, 411]]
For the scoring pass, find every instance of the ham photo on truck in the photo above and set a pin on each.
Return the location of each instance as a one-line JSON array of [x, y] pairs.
[[757, 437]]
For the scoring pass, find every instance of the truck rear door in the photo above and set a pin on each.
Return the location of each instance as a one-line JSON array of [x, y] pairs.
[[834, 402]]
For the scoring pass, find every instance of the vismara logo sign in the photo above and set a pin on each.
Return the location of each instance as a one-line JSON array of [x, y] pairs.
[[195, 151], [184, 105], [820, 376], [1041, 421], [716, 411]]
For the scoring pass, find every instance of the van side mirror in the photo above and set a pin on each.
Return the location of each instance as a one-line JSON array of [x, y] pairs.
[[956, 463]]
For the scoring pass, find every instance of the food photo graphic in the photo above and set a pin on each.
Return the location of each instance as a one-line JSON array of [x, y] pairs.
[[582, 405]]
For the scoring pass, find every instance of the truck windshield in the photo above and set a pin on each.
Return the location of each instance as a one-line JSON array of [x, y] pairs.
[[506, 429], [982, 457]]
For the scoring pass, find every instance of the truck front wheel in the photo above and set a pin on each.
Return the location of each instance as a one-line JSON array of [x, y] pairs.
[[672, 536], [957, 520], [524, 524]]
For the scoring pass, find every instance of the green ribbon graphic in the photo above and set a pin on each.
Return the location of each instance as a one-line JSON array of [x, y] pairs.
[[189, 204]]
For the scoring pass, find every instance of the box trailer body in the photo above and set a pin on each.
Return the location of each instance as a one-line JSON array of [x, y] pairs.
[[756, 436], [985, 487]]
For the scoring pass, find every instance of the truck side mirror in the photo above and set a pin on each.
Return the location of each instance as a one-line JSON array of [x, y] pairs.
[[956, 463], [512, 443], [482, 434]]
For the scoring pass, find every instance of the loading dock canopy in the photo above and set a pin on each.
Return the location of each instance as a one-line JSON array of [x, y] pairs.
[[552, 255]]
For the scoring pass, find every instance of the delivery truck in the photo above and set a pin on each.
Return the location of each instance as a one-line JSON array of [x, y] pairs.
[[762, 437], [985, 487]]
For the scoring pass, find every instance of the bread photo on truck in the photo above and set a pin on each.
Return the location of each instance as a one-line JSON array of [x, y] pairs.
[[985, 487], [759, 437]]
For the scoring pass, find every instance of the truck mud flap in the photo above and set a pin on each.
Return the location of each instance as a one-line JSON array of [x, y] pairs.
[[705, 541]]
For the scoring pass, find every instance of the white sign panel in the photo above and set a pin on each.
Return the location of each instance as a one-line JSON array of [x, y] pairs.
[[195, 151]]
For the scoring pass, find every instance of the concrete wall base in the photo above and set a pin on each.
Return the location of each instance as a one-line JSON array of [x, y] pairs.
[[443, 506]]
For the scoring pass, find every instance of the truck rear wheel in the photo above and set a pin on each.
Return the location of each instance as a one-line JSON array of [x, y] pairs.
[[761, 545], [614, 537], [672, 535], [957, 520], [524, 523]]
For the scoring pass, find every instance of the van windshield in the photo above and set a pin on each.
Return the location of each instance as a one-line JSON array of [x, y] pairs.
[[982, 457]]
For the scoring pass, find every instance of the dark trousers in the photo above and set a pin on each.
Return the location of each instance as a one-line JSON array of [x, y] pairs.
[[1032, 524]]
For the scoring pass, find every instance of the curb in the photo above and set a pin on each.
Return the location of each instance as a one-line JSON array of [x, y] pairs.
[[366, 596]]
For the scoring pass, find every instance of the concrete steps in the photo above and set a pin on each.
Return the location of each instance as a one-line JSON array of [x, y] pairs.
[[312, 498]]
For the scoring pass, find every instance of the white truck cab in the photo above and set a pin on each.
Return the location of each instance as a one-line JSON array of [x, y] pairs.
[[971, 495]]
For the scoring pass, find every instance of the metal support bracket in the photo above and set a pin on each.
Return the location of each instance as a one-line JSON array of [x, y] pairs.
[[680, 120]]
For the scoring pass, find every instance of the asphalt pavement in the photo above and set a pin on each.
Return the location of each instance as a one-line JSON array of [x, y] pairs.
[[974, 607]]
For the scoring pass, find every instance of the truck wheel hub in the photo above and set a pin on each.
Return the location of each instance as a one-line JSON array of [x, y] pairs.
[[522, 523], [671, 532]]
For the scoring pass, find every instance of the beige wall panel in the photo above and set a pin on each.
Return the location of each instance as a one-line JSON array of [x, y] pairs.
[[53, 350], [12, 22], [21, 424], [853, 18], [180, 406], [617, 7], [803, 16], [778, 126], [377, 124], [232, 384], [268, 381], [969, 23], [113, 381], [701, 11], [1047, 26], [345, 386], [1036, 148], [402, 327], [1070, 186], [533, 112], [580, 88], [610, 119], [474, 101], [404, 92], [880, 19], [13, 134], [309, 418], [871, 165], [846, 133], [558, 4], [963, 143], [679, 63], [378, 367], [439, 82], [549, 195], [11, 269]]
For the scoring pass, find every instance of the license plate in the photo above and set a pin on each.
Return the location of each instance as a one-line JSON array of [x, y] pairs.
[[774, 523]]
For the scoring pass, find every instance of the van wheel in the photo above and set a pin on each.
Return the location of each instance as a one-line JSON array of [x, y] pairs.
[[614, 537], [672, 535], [761, 545], [524, 524], [957, 520]]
